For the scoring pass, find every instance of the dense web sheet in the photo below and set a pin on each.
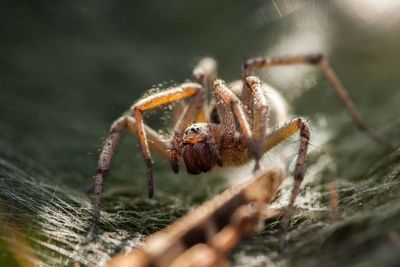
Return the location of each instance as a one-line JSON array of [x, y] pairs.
[[54, 217]]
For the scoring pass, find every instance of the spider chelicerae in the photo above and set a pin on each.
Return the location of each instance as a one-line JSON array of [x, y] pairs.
[[221, 124]]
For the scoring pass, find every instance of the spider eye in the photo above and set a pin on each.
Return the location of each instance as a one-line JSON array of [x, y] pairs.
[[192, 130], [195, 130]]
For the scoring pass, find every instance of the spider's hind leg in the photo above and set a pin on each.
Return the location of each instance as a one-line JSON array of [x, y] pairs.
[[317, 59]]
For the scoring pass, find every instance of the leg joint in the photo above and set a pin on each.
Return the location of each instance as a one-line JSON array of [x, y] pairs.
[[102, 170], [299, 175], [315, 58], [304, 128], [148, 160], [135, 108], [118, 125], [250, 64]]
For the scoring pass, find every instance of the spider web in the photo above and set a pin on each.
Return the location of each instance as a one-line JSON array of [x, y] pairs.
[[54, 218]]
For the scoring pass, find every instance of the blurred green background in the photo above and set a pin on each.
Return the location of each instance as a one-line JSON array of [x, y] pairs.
[[69, 68]]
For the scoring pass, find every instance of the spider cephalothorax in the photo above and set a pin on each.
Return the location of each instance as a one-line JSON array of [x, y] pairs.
[[234, 126], [200, 149]]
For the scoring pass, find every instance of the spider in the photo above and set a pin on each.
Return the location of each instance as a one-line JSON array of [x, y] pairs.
[[231, 127]]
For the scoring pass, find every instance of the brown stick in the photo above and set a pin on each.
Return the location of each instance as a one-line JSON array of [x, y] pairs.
[[216, 226]]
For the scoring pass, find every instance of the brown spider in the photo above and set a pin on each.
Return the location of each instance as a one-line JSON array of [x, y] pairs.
[[231, 130]]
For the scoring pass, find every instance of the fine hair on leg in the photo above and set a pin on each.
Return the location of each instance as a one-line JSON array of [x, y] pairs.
[[317, 59], [106, 155], [160, 99]]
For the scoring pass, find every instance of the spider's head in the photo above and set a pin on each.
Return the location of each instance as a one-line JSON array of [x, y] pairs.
[[199, 150], [196, 133]]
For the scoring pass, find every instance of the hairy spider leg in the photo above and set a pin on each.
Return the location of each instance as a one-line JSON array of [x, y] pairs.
[[260, 114], [317, 59], [229, 98], [227, 121], [110, 144], [273, 139], [205, 72], [163, 98], [156, 141]]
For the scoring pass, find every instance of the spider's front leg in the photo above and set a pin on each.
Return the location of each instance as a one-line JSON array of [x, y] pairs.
[[160, 99], [259, 113], [229, 98], [106, 155]]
